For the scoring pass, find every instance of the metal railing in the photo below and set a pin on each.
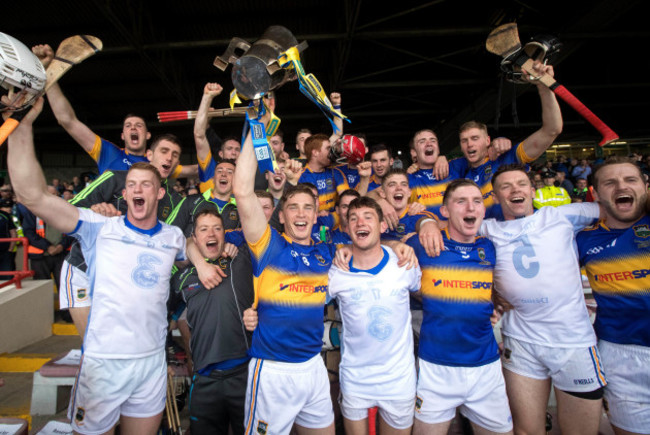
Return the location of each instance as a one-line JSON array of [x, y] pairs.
[[18, 275]]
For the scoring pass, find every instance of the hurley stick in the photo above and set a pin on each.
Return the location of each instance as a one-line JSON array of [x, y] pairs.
[[504, 41], [71, 51], [184, 115]]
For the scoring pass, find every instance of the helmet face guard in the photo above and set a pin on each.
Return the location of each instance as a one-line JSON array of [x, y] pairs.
[[349, 149], [542, 48], [22, 76]]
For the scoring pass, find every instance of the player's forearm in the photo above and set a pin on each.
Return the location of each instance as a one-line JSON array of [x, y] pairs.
[[29, 182], [61, 107], [25, 172], [201, 126], [537, 143], [551, 113], [362, 187], [244, 179]]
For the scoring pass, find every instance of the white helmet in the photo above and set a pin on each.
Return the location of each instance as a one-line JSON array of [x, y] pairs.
[[22, 76]]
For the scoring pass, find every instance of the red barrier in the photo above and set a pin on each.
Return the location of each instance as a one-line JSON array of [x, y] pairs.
[[18, 275]]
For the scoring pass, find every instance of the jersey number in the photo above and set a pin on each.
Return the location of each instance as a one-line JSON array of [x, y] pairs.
[[531, 269], [145, 275]]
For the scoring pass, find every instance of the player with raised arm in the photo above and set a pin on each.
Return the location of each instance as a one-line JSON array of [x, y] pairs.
[[458, 355], [287, 378], [123, 372], [377, 364], [616, 253], [107, 155], [483, 156], [548, 337]]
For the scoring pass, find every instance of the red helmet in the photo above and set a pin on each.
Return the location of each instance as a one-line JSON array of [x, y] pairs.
[[350, 149]]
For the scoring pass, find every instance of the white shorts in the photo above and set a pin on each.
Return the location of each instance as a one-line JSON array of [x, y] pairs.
[[397, 413], [479, 392], [628, 385], [279, 394], [108, 388], [74, 288], [576, 369]]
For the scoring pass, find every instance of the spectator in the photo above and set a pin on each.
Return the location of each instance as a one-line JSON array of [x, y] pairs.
[[550, 195], [6, 192], [562, 181], [561, 166], [583, 170], [581, 189]]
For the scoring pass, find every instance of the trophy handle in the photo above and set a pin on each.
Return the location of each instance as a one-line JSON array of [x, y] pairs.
[[237, 48]]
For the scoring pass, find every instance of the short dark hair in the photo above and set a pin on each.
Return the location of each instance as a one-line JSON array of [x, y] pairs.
[[299, 188], [366, 202], [509, 168], [231, 161], [168, 137], [615, 160], [279, 133], [457, 184], [205, 212], [226, 139], [134, 115], [379, 148], [347, 192], [395, 171]]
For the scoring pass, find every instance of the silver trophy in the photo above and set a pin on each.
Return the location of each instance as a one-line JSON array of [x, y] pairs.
[[256, 70]]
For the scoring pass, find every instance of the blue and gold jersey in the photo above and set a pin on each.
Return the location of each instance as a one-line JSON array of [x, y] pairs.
[[290, 289], [457, 303], [110, 157], [374, 183], [351, 174], [617, 262], [482, 175], [407, 224], [428, 190], [206, 173], [330, 183]]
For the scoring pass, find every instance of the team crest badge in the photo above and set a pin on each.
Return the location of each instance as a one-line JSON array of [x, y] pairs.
[[79, 416], [82, 293], [488, 170], [401, 228], [642, 231], [262, 427], [233, 215], [481, 253], [418, 403], [320, 259], [165, 213], [223, 263]]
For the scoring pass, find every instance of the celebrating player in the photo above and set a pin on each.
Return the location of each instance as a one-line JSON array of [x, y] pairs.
[[548, 335], [123, 373], [616, 254], [377, 364], [459, 358]]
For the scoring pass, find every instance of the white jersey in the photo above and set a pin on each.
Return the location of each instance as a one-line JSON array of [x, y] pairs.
[[129, 271], [377, 358], [537, 271]]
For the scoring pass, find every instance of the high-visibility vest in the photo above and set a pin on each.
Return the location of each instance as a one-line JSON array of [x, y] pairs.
[[40, 230]]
